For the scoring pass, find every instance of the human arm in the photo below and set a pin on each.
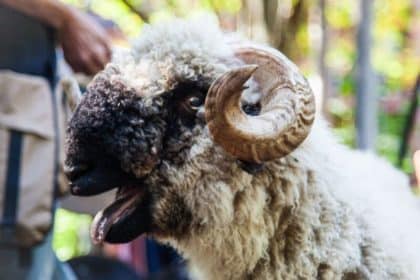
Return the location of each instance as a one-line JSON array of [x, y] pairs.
[[85, 44]]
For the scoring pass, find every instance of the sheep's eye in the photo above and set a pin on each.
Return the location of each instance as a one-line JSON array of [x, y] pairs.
[[188, 99], [194, 102]]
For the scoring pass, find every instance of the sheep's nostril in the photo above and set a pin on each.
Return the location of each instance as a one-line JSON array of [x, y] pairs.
[[75, 171]]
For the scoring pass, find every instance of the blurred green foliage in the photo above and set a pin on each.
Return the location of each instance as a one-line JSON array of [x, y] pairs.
[[395, 60], [230, 6], [114, 10], [130, 23], [71, 234]]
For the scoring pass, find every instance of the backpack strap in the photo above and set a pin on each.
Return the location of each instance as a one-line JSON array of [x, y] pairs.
[[8, 221], [12, 179]]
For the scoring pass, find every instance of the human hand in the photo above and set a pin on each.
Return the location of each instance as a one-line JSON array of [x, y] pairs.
[[85, 44]]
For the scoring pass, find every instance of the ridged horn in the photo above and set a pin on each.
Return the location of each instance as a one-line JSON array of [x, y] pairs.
[[287, 107]]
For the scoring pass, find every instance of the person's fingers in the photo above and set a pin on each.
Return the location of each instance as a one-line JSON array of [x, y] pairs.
[[107, 47], [101, 56], [73, 61], [85, 48], [77, 67], [97, 61], [108, 53], [87, 61], [90, 65]]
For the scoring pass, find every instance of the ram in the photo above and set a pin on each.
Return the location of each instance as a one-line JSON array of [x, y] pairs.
[[214, 147]]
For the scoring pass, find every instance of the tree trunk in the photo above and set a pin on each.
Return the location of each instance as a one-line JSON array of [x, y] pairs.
[[366, 105], [323, 68]]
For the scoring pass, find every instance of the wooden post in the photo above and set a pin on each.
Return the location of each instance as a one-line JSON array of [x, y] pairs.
[[366, 103], [325, 75]]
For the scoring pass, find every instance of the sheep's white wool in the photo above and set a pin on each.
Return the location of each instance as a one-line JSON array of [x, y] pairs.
[[163, 56], [322, 212], [373, 189]]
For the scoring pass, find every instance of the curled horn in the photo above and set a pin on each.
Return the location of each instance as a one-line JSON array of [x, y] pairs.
[[287, 107]]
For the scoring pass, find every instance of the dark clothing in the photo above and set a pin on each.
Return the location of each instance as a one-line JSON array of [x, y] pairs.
[[26, 45], [164, 263]]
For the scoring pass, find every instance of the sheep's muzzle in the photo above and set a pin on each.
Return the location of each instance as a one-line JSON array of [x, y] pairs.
[[114, 140]]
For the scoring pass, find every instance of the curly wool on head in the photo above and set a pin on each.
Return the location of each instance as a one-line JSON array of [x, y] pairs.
[[317, 211], [162, 57]]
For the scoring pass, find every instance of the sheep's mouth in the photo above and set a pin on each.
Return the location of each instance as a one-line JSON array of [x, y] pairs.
[[124, 219]]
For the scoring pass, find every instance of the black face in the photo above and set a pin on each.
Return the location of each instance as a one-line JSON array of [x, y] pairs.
[[117, 138]]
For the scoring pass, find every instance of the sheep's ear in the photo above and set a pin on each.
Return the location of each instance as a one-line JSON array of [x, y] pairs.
[[72, 91]]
